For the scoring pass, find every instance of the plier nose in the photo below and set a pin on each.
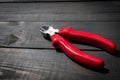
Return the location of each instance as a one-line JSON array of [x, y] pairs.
[[60, 37]]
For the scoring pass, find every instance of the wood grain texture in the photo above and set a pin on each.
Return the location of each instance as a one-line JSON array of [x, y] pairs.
[[29, 64], [27, 34], [26, 55], [37, 0], [44, 0], [62, 11]]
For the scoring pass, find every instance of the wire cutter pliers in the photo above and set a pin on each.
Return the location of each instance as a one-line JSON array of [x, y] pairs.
[[59, 39]]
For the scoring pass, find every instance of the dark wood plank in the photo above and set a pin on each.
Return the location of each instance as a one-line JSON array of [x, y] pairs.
[[44, 0], [29, 64], [62, 11], [37, 0], [27, 34]]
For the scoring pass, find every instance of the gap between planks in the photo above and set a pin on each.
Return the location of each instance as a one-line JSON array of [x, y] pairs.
[[47, 48]]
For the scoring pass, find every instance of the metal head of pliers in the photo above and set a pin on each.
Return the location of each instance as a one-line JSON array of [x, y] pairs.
[[48, 31]]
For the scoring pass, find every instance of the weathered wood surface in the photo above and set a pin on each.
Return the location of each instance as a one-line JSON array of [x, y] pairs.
[[26, 55], [44, 0], [29, 64], [27, 34], [62, 11], [37, 0]]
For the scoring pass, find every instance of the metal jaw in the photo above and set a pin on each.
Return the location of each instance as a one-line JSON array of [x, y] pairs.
[[47, 30]]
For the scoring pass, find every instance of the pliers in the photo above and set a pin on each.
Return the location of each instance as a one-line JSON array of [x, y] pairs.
[[59, 39]]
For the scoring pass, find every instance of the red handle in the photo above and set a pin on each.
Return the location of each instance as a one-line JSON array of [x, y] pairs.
[[89, 38], [76, 54]]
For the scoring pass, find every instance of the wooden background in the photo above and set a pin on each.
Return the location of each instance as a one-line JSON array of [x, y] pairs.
[[26, 55]]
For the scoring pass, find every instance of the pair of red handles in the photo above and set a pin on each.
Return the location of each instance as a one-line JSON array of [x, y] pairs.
[[60, 41]]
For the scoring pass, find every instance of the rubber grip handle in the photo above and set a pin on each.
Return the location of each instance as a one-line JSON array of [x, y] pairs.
[[76, 54], [89, 38]]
